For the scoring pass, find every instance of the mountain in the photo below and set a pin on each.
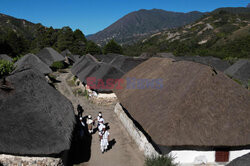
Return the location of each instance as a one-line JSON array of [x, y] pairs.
[[248, 5], [141, 23], [20, 26], [223, 33]]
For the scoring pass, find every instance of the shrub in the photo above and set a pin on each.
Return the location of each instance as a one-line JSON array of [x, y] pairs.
[[6, 68], [57, 65], [160, 161]]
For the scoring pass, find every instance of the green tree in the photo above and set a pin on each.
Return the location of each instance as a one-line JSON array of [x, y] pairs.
[[79, 36], [112, 47], [6, 68], [93, 48], [79, 43], [65, 39]]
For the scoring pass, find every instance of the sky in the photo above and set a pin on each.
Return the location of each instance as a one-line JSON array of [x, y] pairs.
[[91, 16]]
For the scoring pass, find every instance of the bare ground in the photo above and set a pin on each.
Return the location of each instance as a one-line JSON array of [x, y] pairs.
[[124, 152]]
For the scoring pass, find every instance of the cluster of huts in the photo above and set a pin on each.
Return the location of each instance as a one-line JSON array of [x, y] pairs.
[[101, 68], [198, 115], [36, 120]]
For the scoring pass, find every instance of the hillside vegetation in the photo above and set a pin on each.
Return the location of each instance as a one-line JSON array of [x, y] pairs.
[[223, 33], [139, 24]]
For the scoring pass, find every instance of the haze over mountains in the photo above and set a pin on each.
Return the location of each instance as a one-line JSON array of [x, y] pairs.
[[138, 24]]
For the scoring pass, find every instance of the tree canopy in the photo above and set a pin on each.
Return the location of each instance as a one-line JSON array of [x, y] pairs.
[[112, 47]]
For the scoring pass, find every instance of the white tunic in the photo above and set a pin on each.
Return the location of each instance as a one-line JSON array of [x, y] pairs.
[[104, 141], [99, 119], [100, 128], [89, 121]]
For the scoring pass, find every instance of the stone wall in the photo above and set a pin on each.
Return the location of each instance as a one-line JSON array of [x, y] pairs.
[[144, 145], [10, 160]]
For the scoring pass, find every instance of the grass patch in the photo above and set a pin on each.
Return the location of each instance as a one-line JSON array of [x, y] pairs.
[[238, 81], [160, 161]]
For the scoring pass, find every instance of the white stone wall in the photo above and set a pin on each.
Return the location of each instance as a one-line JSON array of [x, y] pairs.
[[182, 157], [140, 139], [10, 160]]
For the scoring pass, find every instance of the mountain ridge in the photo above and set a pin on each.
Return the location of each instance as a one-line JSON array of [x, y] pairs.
[[137, 24]]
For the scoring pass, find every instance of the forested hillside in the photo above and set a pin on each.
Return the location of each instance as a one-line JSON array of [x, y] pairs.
[[223, 33], [18, 37]]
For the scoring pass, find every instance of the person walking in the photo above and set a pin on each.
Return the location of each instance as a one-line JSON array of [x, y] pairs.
[[82, 127], [79, 110], [90, 124], [104, 140], [99, 118], [100, 129]]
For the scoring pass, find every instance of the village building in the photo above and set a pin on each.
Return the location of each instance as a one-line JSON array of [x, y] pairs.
[[36, 121], [49, 56], [32, 61], [99, 78], [197, 115], [240, 71]]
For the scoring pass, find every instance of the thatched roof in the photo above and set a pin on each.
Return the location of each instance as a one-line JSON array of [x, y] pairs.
[[240, 70], [66, 53], [35, 118], [30, 60], [165, 55], [82, 63], [106, 58], [49, 56], [88, 69], [5, 57], [126, 63], [241, 161], [196, 106], [217, 63], [104, 72]]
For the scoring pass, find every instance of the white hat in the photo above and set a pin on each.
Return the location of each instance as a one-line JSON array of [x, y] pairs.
[[89, 116], [100, 114]]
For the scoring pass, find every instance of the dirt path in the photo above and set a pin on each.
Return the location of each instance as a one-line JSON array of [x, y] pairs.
[[124, 152]]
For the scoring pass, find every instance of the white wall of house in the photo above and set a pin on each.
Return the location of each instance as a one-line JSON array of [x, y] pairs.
[[185, 157]]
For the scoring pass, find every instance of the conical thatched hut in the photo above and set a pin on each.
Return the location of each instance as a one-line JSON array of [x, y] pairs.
[[82, 63], [35, 119], [103, 73], [106, 58], [5, 57], [32, 61], [240, 71], [49, 56], [125, 63], [188, 109]]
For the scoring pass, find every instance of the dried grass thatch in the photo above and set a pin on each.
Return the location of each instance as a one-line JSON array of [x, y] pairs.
[[35, 118], [196, 106]]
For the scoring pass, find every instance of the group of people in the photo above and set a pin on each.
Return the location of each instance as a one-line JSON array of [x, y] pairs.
[[100, 127]]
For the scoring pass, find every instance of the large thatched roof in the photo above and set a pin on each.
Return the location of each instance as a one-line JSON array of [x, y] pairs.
[[5, 57], [196, 106], [126, 63], [82, 63], [30, 60], [104, 72], [106, 58], [241, 161], [49, 56], [35, 118], [240, 70]]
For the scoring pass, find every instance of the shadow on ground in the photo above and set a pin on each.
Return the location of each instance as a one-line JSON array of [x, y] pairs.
[[80, 150]]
